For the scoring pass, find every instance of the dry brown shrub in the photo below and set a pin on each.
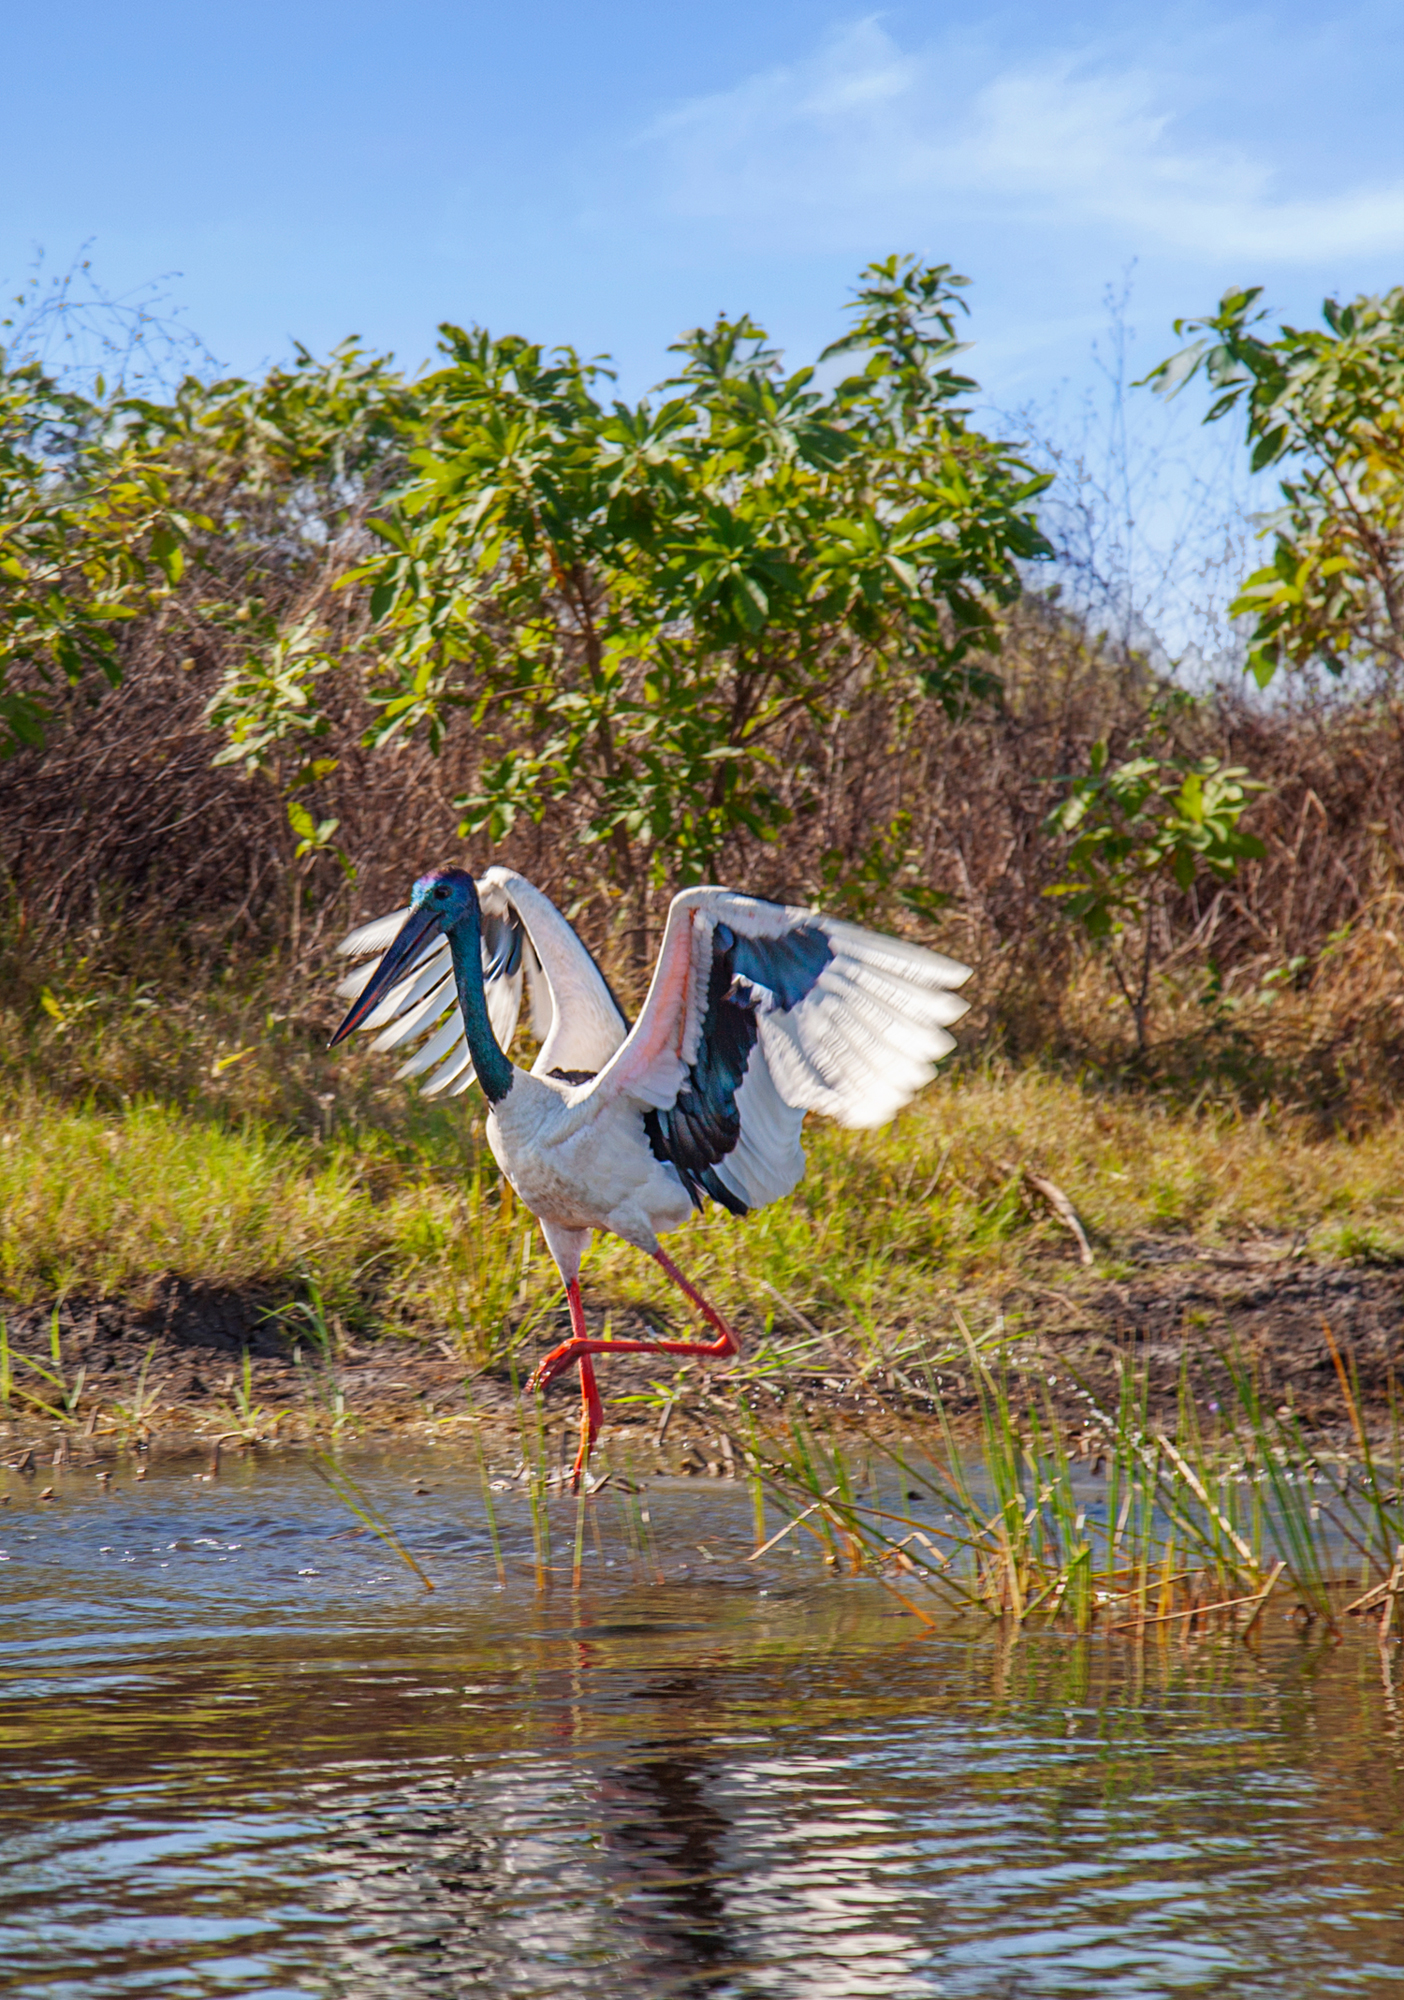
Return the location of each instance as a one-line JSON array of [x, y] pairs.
[[125, 832]]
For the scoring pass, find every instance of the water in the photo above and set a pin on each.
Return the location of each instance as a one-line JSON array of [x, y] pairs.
[[243, 1753]]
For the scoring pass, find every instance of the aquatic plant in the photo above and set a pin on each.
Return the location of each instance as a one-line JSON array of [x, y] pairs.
[[1185, 1531]]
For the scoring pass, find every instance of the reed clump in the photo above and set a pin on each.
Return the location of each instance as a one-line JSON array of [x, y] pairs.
[[1114, 1526]]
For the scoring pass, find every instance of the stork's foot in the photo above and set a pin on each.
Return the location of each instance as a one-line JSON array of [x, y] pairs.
[[582, 1349], [558, 1360]]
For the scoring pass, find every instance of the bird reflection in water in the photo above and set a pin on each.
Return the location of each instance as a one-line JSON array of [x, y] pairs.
[[474, 1886], [664, 1842]]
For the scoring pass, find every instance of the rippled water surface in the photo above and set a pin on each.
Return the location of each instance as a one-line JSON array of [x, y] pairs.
[[242, 1752]]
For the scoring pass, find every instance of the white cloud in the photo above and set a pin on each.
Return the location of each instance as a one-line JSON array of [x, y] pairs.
[[863, 140]]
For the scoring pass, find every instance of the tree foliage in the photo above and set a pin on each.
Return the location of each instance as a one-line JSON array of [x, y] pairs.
[[631, 599], [198, 516], [1328, 405], [624, 602], [90, 538], [1136, 827]]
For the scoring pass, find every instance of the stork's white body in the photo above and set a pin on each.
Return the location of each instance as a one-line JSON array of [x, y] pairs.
[[556, 1163], [834, 1018]]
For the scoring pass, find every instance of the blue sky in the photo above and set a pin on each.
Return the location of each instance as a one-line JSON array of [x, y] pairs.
[[608, 175]]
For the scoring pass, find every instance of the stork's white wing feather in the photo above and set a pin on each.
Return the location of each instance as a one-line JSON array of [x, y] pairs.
[[425, 1002], [376, 936], [541, 1009], [445, 1037], [458, 1069], [847, 1022], [411, 1006], [577, 1018], [768, 1159]]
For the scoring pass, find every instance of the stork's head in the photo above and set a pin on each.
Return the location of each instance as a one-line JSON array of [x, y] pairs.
[[444, 895], [438, 903]]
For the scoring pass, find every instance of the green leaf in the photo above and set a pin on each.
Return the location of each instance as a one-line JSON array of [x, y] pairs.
[[168, 554]]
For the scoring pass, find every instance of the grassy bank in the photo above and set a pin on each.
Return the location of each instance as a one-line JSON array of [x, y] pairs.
[[183, 1152], [923, 1304], [403, 1224]]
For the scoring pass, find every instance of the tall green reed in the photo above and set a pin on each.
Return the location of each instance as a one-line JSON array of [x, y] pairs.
[[1184, 1529]]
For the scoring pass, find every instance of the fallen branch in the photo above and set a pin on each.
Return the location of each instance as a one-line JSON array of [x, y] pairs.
[[1058, 1202], [1064, 1211], [766, 1547], [1392, 1587]]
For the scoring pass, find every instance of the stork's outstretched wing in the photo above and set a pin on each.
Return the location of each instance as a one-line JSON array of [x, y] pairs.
[[574, 1015], [759, 1013]]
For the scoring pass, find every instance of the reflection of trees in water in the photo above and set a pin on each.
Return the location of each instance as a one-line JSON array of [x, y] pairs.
[[464, 1885], [823, 1887]]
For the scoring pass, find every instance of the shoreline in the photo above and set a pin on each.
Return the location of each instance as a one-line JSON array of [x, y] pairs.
[[1172, 1311]]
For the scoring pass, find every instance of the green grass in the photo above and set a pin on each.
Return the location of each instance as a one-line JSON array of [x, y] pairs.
[[890, 1229], [886, 1230], [165, 1127], [105, 1203]]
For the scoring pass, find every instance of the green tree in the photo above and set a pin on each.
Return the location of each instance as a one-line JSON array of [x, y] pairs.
[[626, 605], [1327, 403], [1134, 829], [630, 602], [90, 539], [241, 491]]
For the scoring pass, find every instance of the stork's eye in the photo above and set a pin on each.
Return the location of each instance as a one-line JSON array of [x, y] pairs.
[[440, 893]]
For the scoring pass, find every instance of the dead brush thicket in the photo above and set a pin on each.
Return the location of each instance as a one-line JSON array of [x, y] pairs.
[[123, 846]]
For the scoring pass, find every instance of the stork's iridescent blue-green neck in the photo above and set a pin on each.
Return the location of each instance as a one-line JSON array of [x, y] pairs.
[[445, 900]]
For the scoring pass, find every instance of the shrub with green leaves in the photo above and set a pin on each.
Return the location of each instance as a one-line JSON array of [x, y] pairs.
[[1133, 829], [632, 600], [212, 518], [1328, 403], [90, 538], [625, 605]]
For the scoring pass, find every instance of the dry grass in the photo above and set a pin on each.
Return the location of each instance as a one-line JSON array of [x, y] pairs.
[[125, 848], [168, 1105]]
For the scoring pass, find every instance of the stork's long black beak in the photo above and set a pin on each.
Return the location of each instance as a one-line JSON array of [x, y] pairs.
[[408, 941]]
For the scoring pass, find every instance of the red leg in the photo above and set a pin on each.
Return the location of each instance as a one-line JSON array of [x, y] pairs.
[[580, 1348], [591, 1417], [591, 1408]]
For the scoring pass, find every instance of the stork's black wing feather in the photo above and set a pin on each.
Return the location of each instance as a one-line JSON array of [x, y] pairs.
[[703, 1123]]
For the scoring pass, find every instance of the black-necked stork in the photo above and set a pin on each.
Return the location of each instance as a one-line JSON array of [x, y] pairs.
[[757, 1013]]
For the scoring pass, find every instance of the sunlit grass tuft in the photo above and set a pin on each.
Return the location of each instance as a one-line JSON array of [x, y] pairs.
[[1181, 1533], [106, 1204]]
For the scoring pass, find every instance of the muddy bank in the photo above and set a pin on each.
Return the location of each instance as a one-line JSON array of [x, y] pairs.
[[172, 1375], [1181, 1309]]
